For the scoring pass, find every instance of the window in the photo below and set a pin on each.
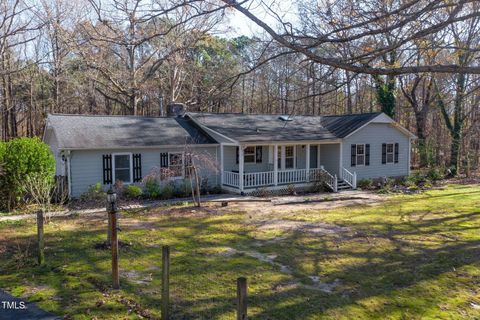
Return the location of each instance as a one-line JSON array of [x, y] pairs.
[[289, 157], [360, 154], [122, 169], [390, 153], [175, 164], [249, 155]]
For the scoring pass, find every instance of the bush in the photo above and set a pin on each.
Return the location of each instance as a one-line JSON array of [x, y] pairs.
[[216, 190], [25, 156], [434, 174], [94, 193], [152, 189], [167, 192], [133, 192], [365, 184], [183, 189]]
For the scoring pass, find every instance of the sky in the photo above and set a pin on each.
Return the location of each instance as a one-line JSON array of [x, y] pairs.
[[241, 25]]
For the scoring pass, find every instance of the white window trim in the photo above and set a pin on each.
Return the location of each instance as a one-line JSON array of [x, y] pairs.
[[393, 152], [114, 179], [254, 155], [364, 154], [294, 156], [283, 156], [183, 165]]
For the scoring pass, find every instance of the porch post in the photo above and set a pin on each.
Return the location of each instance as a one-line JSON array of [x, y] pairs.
[[275, 164], [307, 162], [221, 165], [240, 167], [340, 169], [318, 156]]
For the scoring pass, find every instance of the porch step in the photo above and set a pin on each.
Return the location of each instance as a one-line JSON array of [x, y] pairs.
[[342, 185]]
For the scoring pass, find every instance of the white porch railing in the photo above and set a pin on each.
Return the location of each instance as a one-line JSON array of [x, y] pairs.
[[231, 178], [350, 178], [292, 176], [321, 174], [267, 178], [258, 179]]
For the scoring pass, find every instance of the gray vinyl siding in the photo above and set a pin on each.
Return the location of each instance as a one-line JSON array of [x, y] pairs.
[[301, 157], [330, 157], [376, 134], [87, 166]]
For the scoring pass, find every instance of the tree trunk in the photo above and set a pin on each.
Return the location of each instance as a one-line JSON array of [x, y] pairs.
[[422, 139]]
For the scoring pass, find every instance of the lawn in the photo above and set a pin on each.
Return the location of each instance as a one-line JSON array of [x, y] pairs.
[[408, 257]]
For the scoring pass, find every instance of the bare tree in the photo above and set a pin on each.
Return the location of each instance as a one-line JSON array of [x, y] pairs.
[[132, 39], [409, 20], [40, 189]]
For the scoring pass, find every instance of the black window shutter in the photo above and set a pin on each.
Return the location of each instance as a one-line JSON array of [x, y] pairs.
[[353, 159], [107, 169], [258, 154], [164, 160], [367, 154], [137, 167], [396, 152], [237, 155], [384, 153]]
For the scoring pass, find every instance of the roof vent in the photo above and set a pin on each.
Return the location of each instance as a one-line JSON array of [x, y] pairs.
[[286, 118]]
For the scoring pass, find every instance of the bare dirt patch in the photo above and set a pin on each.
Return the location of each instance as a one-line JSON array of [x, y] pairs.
[[289, 204], [318, 228]]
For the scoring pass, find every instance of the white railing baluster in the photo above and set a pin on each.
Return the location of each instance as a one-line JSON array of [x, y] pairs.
[[350, 178]]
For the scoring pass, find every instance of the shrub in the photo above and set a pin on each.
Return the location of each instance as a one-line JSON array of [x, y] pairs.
[[25, 156], [291, 189], [409, 182], [152, 189], [133, 192], [93, 193], [182, 189], [216, 189], [365, 183], [167, 192], [434, 174]]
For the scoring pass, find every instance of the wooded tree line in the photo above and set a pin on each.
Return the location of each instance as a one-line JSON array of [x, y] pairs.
[[416, 60]]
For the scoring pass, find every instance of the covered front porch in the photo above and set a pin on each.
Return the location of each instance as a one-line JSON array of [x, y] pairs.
[[251, 166]]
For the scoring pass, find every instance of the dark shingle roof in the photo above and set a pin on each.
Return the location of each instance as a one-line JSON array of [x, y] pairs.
[[250, 128], [94, 132], [342, 126], [109, 132]]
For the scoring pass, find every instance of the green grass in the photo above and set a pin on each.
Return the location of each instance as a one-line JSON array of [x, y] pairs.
[[411, 257]]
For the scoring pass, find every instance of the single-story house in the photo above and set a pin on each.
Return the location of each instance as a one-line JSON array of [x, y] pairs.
[[241, 153]]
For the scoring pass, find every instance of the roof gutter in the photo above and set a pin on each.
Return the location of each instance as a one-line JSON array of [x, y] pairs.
[[142, 147]]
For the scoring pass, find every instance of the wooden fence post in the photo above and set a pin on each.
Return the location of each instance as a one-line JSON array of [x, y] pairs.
[[40, 237], [165, 282], [242, 298], [115, 277], [109, 230]]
